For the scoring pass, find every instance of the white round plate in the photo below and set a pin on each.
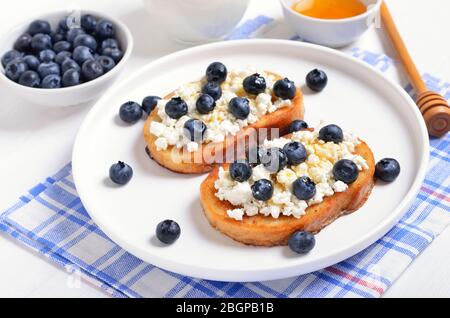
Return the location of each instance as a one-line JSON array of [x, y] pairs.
[[358, 98]]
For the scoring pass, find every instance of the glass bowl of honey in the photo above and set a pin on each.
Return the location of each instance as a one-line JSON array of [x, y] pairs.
[[332, 23]]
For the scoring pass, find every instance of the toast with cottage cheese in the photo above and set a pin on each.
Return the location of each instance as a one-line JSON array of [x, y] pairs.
[[265, 230], [205, 156]]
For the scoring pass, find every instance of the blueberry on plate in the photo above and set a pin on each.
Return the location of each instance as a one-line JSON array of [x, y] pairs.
[[15, 69], [73, 33], [254, 84], [205, 104], [149, 103], [106, 62], [62, 56], [51, 81], [62, 46], [316, 80], [104, 29], [295, 153], [240, 171], [194, 130], [387, 169], [239, 107], [168, 231], [130, 112], [212, 89], [304, 188], [216, 72], [9, 56], [262, 190], [32, 62], [23, 43], [176, 108], [115, 54], [110, 43], [39, 26], [85, 40], [274, 159], [45, 69], [88, 23], [91, 69], [41, 42], [301, 242], [284, 89], [46, 56], [69, 64], [346, 171], [120, 173], [331, 133], [71, 77], [30, 79], [81, 54], [297, 125]]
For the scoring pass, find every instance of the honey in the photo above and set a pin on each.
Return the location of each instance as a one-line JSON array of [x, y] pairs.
[[330, 9]]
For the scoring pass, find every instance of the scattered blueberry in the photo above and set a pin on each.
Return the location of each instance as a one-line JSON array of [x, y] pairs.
[[274, 159], [32, 62], [297, 125], [387, 169], [110, 43], [23, 43], [115, 54], [216, 72], [15, 69], [47, 55], [262, 190], [194, 130], [81, 54], [205, 104], [73, 33], [254, 84], [284, 89], [62, 46], [9, 56], [71, 77], [69, 64], [85, 40], [88, 23], [51, 81], [91, 69], [295, 153], [62, 56], [168, 231], [149, 103], [120, 173], [106, 62], [239, 107], [304, 188], [30, 79], [331, 133], [130, 112], [212, 89], [39, 26], [301, 242], [346, 171], [316, 80], [176, 108], [45, 69], [240, 171], [104, 29]]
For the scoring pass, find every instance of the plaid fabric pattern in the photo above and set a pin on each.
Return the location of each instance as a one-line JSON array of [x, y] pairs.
[[50, 219]]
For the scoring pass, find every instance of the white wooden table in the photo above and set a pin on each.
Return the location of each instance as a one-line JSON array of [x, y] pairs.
[[35, 142]]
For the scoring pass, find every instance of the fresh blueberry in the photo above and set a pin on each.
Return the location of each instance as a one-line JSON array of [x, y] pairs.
[[110, 43], [69, 64], [106, 62], [240, 171], [130, 112], [274, 159], [104, 29], [65, 23], [30, 79], [39, 26], [115, 54], [316, 80], [120, 173], [23, 43], [73, 33], [262, 190], [88, 22], [45, 69], [205, 104], [346, 171], [9, 56], [15, 69], [301, 242], [304, 188], [295, 153], [387, 169], [32, 62], [212, 89], [194, 130], [51, 81], [71, 77], [62, 46], [284, 89], [62, 56], [239, 107], [149, 103], [176, 108], [91, 69], [331, 133], [254, 84], [57, 37], [81, 54], [85, 40], [297, 125], [47, 55], [216, 72], [41, 42], [168, 231]]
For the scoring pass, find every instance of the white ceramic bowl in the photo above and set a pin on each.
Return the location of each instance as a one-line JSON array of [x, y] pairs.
[[67, 96], [333, 33]]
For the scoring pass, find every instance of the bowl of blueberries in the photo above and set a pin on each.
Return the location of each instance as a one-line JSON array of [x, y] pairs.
[[61, 60]]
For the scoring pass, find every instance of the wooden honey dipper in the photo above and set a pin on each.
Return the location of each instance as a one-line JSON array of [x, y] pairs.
[[434, 108]]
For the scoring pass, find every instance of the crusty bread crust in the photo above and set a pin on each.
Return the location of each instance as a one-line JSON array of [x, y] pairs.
[[206, 158], [266, 231]]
